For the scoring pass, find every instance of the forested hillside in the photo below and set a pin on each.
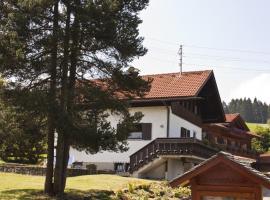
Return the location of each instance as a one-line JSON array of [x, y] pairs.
[[252, 111]]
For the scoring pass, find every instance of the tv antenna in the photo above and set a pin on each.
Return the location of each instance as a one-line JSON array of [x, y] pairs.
[[180, 53]]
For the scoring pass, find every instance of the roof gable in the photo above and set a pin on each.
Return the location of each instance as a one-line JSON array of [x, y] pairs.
[[211, 105], [237, 121], [240, 165]]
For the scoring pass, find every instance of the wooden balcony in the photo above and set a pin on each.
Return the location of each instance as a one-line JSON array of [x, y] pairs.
[[182, 147], [185, 147], [238, 151]]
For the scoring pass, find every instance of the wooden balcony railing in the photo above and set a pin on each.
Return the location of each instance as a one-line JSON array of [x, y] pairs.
[[180, 147], [239, 151], [170, 146]]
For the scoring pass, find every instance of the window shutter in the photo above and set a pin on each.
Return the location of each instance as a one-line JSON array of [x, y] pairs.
[[147, 131], [118, 127]]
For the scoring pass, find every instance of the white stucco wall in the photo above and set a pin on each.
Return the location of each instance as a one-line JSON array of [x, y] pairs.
[[156, 173], [265, 193], [175, 168], [156, 115], [176, 123]]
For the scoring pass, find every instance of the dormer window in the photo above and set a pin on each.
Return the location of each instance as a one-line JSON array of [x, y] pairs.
[[185, 133]]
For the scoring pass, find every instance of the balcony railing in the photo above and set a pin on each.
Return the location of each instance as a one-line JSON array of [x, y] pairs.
[[181, 147], [170, 147]]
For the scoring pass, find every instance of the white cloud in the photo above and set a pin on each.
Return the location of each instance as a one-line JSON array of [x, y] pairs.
[[257, 87]]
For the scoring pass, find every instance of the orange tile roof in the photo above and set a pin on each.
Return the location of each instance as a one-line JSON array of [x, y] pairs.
[[172, 85], [231, 117]]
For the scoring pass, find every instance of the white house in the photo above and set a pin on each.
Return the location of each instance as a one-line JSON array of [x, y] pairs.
[[168, 141]]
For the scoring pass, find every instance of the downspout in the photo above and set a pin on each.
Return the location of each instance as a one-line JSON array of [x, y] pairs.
[[168, 118]]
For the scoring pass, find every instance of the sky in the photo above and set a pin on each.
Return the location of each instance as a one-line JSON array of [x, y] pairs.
[[231, 37]]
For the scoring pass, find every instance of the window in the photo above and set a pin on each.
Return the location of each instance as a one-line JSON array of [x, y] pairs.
[[220, 140], [194, 134], [244, 146], [142, 131], [137, 133], [121, 167], [184, 133]]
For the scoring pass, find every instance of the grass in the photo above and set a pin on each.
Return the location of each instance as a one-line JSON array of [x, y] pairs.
[[252, 126], [1, 162], [23, 187]]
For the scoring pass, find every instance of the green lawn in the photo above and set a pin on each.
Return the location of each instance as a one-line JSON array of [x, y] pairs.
[[22, 187], [252, 126]]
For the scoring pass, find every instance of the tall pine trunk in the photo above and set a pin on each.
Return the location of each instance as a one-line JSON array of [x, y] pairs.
[[48, 188], [70, 92], [62, 150], [72, 83]]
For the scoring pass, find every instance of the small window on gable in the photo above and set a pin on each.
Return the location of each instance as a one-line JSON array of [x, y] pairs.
[[185, 133]]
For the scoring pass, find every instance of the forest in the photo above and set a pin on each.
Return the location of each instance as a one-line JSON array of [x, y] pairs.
[[253, 111]]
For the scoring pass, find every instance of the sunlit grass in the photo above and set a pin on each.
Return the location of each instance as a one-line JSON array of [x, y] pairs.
[[23, 187], [253, 126]]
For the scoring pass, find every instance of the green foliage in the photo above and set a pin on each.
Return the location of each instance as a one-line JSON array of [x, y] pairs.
[[104, 39], [263, 144], [252, 111], [155, 191], [22, 136], [75, 54], [256, 145], [130, 187]]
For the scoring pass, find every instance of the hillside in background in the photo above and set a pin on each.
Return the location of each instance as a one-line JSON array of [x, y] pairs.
[[253, 126], [252, 111]]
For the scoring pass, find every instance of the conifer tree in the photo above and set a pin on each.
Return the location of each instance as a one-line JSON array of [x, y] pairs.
[[79, 57]]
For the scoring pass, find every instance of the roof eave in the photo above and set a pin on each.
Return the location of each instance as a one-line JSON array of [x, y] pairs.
[[141, 100]]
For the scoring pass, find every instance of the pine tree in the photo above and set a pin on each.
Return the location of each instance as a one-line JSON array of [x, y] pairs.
[[256, 111], [249, 117], [268, 118], [59, 52]]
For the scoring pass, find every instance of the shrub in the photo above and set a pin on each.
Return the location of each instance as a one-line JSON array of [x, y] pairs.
[[153, 191], [91, 167]]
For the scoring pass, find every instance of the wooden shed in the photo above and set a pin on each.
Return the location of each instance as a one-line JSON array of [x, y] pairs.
[[226, 177]]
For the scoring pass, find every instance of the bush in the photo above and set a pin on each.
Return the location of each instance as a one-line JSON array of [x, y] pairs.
[[91, 167], [153, 191], [263, 144]]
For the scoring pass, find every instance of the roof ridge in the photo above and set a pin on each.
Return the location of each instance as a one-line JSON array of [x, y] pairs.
[[172, 73], [233, 114]]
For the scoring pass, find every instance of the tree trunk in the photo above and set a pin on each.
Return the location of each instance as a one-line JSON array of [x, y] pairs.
[[69, 91], [59, 164], [62, 151], [65, 162], [48, 188]]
